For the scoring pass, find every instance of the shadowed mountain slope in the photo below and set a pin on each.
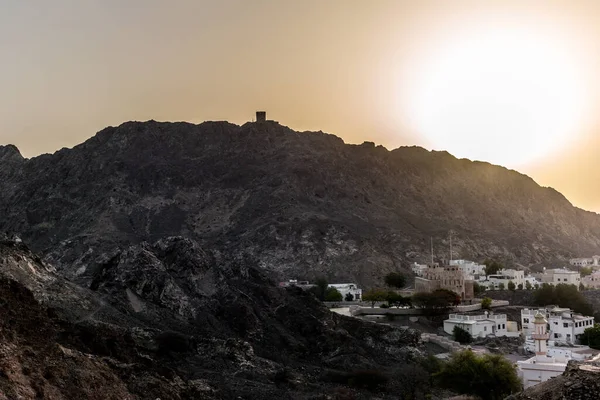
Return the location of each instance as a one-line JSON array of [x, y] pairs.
[[303, 204]]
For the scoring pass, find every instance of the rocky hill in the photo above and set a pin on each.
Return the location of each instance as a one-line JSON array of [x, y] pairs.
[[171, 321], [302, 204]]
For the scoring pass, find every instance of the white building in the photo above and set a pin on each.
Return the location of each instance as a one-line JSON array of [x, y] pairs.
[[345, 288], [532, 281], [470, 269], [541, 367], [482, 325], [504, 276], [564, 325], [591, 281], [585, 262], [419, 269], [560, 275]]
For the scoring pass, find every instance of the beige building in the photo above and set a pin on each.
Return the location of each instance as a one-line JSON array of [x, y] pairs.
[[560, 275], [447, 277], [592, 281]]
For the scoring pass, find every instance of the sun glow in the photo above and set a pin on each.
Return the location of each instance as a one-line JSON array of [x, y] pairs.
[[504, 97]]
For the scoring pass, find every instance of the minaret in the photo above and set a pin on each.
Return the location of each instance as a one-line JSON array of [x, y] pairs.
[[540, 336]]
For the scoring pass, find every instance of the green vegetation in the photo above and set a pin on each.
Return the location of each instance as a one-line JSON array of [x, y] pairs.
[[489, 376], [492, 267], [397, 300], [349, 297], [585, 271], [486, 303], [562, 295], [528, 285], [395, 280], [511, 286], [332, 294], [374, 295], [520, 286], [477, 289], [461, 335], [501, 286], [591, 337], [437, 302], [320, 288]]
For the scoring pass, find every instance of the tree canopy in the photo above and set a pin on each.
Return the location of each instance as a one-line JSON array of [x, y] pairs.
[[436, 302], [489, 376], [486, 303], [332, 294], [562, 295], [374, 295], [395, 279], [461, 335], [511, 286], [492, 267], [591, 337]]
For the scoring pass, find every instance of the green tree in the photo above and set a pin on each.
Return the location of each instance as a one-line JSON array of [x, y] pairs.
[[520, 286], [528, 285], [585, 271], [437, 302], [591, 337], [374, 295], [486, 303], [562, 295], [461, 335], [478, 289], [511, 286], [581, 287], [395, 280], [501, 286], [397, 300], [349, 297], [320, 288], [536, 286], [492, 267], [332, 294], [489, 376]]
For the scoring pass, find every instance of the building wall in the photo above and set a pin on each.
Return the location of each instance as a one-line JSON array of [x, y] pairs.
[[592, 281]]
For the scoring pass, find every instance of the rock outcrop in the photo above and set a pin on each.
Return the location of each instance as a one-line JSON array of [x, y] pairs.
[[303, 204], [172, 321], [580, 381]]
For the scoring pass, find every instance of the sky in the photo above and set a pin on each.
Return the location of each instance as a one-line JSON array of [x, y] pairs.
[[515, 83]]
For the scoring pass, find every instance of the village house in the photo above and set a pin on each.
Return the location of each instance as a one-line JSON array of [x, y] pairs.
[[591, 281], [564, 326], [482, 325], [548, 362], [348, 288], [504, 276], [447, 277], [470, 269], [559, 275], [594, 261]]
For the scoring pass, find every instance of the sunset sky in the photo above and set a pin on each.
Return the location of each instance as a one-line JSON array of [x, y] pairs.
[[516, 83]]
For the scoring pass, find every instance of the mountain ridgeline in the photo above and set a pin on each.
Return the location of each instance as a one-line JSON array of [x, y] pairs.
[[303, 204]]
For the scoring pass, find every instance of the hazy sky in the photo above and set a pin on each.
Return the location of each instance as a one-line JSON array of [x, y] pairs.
[[512, 82]]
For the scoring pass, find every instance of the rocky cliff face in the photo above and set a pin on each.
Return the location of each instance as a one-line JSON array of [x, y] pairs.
[[581, 381], [171, 321], [303, 204]]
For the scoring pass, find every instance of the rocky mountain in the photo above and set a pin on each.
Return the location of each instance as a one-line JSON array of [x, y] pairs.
[[172, 321], [304, 204]]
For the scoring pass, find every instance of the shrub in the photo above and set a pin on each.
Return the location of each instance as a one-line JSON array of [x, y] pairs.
[[528, 285], [349, 297], [384, 305], [511, 286], [501, 286], [332, 294], [520, 286], [461, 335], [491, 377], [486, 303]]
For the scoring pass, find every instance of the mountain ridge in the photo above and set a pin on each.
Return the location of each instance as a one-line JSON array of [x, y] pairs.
[[305, 204]]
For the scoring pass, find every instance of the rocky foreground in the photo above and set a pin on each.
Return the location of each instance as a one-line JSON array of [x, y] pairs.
[[580, 381], [171, 321], [303, 204]]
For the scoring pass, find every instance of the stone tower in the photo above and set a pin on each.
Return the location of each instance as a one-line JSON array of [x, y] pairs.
[[261, 116], [540, 336]]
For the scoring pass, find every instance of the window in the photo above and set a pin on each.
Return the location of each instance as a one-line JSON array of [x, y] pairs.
[[525, 320], [565, 325], [485, 328], [503, 326], [556, 335]]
